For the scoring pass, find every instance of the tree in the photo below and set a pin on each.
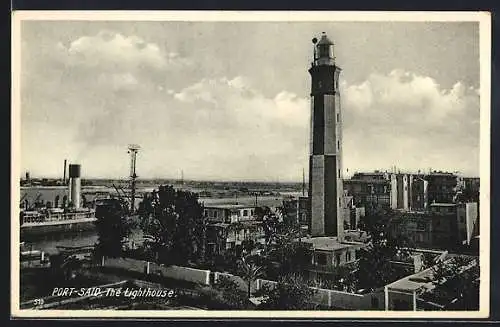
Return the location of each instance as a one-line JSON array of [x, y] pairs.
[[286, 249], [248, 246], [112, 227], [261, 212], [230, 293], [224, 294], [174, 219], [458, 279], [374, 266], [250, 272], [270, 223], [291, 292], [345, 278]]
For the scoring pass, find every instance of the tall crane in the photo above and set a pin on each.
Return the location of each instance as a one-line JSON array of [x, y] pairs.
[[132, 150]]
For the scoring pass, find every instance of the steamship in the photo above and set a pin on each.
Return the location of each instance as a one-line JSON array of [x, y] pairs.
[[68, 218]]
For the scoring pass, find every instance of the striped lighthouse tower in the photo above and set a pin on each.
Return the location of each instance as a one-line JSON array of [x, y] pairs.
[[325, 160]]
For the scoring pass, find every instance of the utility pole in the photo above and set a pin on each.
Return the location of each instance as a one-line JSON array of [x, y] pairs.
[[303, 182], [64, 172], [132, 150], [298, 211]]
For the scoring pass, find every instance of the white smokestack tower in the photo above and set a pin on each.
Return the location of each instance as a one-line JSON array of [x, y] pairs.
[[74, 185]]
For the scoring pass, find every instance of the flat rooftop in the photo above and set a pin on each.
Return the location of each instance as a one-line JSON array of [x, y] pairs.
[[243, 223], [228, 206], [443, 205], [327, 243], [366, 181], [423, 279], [414, 282]]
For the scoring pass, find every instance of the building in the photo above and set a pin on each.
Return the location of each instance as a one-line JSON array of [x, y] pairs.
[[408, 264], [402, 185], [421, 292], [367, 192], [230, 225], [328, 254], [296, 211], [415, 191], [443, 187], [471, 189], [418, 193], [467, 220], [443, 225], [408, 191], [376, 175], [229, 213], [353, 213], [325, 161]]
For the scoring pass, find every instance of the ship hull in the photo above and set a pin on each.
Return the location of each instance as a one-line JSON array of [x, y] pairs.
[[29, 231]]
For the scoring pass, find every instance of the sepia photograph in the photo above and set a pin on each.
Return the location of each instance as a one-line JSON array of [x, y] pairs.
[[250, 164]]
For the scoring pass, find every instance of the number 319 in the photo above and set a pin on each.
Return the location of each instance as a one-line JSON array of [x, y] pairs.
[[38, 301]]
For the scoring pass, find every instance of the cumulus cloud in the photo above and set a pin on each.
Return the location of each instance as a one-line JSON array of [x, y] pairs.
[[400, 118], [244, 131], [97, 84], [113, 50], [230, 128], [113, 62], [408, 120], [245, 104], [117, 82]]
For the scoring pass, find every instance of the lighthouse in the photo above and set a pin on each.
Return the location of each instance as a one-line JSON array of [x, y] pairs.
[[325, 160]]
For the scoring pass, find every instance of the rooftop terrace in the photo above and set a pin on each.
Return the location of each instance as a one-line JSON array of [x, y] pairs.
[[327, 243]]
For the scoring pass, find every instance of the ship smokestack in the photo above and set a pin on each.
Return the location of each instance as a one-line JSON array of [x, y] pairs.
[[74, 185]]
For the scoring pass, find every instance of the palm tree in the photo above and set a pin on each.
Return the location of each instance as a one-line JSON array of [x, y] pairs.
[[250, 272]]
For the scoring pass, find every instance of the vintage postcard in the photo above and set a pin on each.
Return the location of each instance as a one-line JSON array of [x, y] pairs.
[[250, 164]]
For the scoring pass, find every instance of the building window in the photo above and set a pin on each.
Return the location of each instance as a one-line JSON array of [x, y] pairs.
[[348, 256], [338, 117], [338, 145], [245, 213], [337, 259], [321, 259]]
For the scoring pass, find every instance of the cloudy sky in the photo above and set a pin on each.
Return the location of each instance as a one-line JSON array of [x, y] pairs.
[[230, 100]]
